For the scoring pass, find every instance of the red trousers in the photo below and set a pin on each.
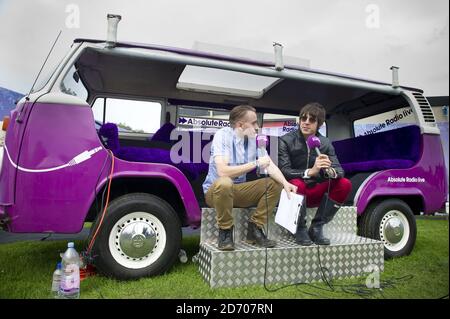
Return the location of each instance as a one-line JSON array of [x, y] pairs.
[[339, 190]]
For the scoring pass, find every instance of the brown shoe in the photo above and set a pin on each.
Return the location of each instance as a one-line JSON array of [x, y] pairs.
[[256, 236], [225, 240]]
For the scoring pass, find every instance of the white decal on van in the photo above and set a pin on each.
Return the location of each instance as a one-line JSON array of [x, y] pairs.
[[390, 121], [406, 180], [76, 160]]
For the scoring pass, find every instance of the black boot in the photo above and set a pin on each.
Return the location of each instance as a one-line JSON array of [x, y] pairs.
[[256, 236], [324, 214], [301, 236], [225, 240]]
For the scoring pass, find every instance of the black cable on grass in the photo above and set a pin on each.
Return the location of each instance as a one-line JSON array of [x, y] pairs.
[[46, 237], [360, 290]]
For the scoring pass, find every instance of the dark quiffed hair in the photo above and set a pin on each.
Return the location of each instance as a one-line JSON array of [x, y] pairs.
[[238, 112], [315, 110]]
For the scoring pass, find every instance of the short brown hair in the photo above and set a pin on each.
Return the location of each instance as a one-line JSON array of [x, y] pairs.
[[315, 110], [238, 112]]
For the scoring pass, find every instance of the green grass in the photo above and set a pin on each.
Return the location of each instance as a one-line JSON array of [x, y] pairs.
[[26, 269]]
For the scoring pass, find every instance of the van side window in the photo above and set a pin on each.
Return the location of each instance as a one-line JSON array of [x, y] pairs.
[[384, 121], [73, 85], [279, 124], [129, 115]]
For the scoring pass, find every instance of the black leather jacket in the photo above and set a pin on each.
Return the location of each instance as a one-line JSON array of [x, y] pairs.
[[294, 156]]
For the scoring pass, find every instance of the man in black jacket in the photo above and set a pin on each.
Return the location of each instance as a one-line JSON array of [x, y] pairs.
[[313, 174]]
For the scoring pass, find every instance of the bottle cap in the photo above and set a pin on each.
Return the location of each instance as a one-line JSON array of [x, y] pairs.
[[71, 245], [58, 265]]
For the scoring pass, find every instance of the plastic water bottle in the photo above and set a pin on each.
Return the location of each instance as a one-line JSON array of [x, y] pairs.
[[56, 282], [182, 256], [70, 279]]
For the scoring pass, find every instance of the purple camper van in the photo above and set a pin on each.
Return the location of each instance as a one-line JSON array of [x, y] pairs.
[[120, 133]]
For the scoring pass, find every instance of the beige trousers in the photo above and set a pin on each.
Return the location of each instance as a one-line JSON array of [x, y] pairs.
[[223, 195]]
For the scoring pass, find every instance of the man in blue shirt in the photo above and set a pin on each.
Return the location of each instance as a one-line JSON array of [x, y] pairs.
[[233, 155]]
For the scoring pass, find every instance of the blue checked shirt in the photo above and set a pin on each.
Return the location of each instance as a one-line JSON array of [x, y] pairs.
[[226, 143]]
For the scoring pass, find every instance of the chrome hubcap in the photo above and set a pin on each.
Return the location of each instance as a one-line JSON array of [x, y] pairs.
[[137, 239], [394, 230]]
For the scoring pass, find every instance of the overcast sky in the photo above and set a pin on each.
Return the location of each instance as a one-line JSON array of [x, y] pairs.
[[356, 37]]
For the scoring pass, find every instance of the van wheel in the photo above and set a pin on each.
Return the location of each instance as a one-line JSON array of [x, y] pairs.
[[392, 222], [140, 236], [363, 220]]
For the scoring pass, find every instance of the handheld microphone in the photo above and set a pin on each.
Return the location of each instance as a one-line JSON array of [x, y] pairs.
[[313, 142], [261, 151]]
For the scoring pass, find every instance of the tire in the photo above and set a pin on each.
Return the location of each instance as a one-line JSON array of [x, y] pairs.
[[363, 220], [140, 237], [392, 222]]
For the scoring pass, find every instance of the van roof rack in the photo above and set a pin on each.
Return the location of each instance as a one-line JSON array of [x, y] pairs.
[[220, 57]]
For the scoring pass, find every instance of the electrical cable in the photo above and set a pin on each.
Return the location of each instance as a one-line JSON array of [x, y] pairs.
[[106, 205], [98, 179], [297, 284], [266, 254], [46, 237], [360, 290], [324, 277], [87, 254]]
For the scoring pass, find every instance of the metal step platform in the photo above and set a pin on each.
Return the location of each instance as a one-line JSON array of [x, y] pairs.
[[347, 256]]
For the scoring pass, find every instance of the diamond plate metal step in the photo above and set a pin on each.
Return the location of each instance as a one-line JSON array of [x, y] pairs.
[[348, 255]]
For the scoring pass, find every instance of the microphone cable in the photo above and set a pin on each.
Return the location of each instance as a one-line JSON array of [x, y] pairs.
[[296, 284], [359, 290], [322, 269]]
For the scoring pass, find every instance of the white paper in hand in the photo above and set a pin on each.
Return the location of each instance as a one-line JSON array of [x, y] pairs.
[[288, 211]]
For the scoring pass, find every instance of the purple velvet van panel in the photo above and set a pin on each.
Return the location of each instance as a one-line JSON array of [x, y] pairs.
[[110, 133], [426, 179], [386, 150], [163, 133], [124, 168], [51, 197]]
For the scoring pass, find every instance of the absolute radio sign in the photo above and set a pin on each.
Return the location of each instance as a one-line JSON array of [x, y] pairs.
[[202, 122]]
